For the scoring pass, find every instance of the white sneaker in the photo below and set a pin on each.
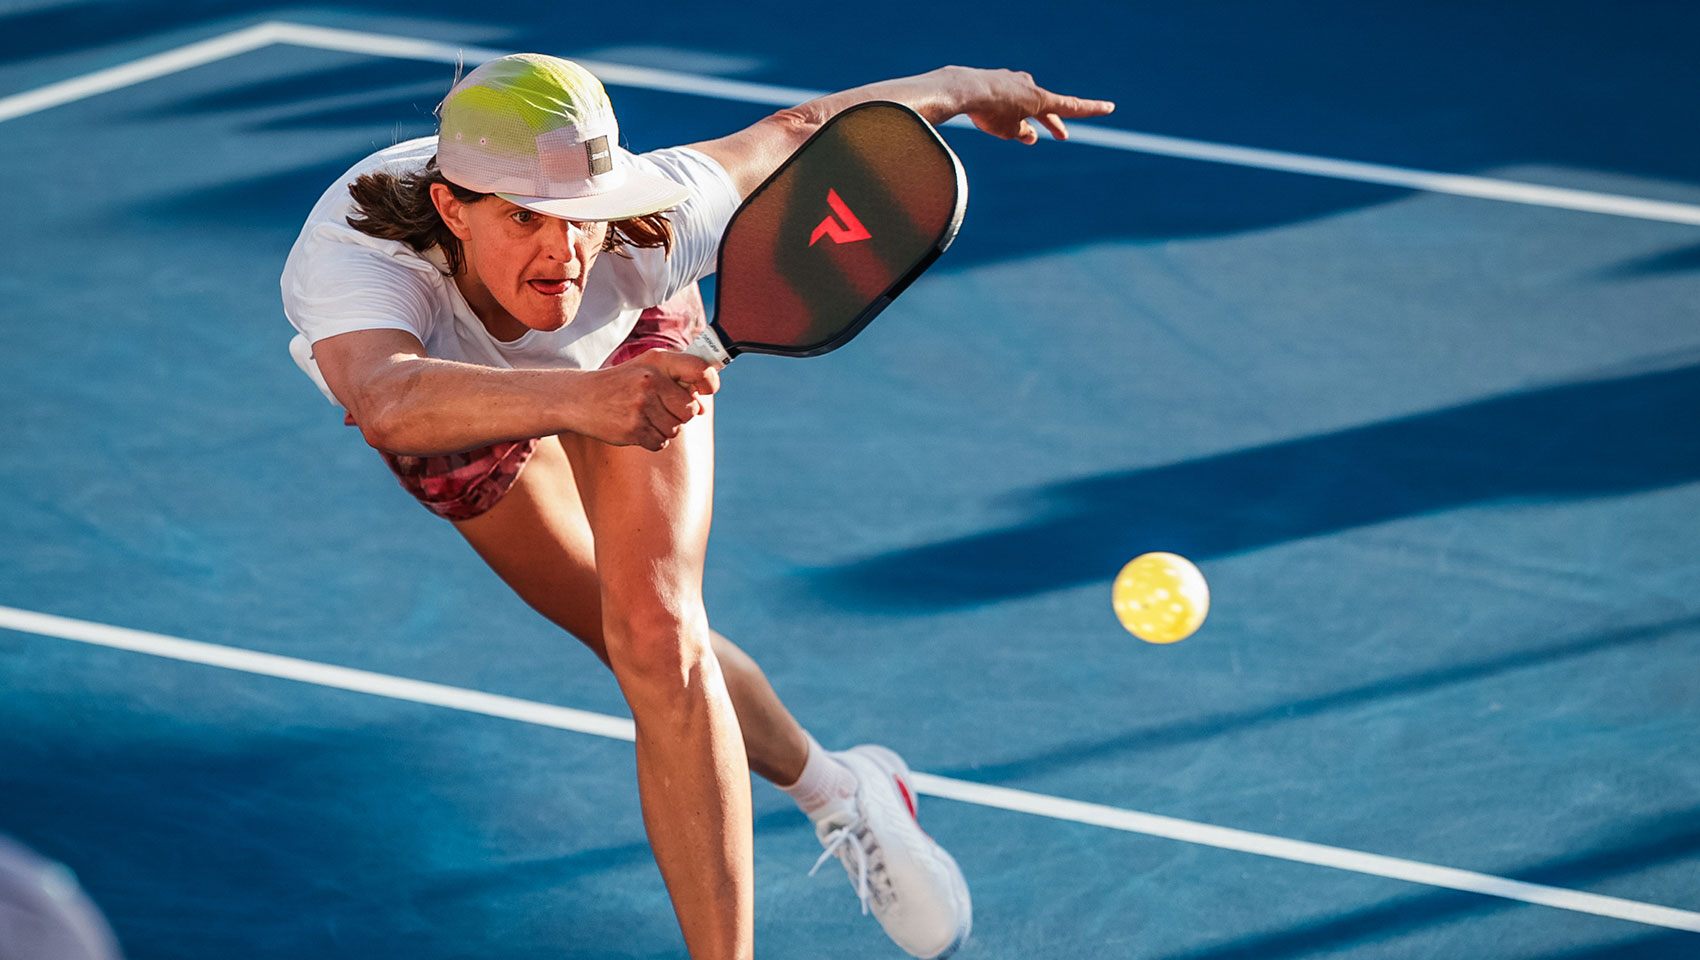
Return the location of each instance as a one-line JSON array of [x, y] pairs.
[[913, 887]]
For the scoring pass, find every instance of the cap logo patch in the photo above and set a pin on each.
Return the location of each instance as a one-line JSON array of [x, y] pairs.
[[600, 157]]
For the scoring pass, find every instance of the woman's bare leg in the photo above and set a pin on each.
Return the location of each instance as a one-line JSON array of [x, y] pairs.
[[774, 741], [649, 518], [653, 511], [538, 541]]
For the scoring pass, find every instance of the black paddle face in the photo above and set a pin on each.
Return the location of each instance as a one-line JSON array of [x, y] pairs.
[[837, 232]]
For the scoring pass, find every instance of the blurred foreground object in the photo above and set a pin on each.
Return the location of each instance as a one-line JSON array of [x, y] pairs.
[[44, 914]]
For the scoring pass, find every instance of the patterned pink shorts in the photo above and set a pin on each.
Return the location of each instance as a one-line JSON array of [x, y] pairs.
[[460, 486]]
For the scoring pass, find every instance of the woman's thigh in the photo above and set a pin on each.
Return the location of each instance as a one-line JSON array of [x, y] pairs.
[[587, 523], [649, 514], [538, 540]]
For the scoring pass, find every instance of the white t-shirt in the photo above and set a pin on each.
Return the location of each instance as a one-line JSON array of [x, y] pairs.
[[338, 279]]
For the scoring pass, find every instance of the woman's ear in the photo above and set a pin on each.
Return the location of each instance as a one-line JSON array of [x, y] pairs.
[[451, 210]]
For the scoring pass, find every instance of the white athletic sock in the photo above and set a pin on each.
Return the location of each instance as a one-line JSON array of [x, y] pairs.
[[825, 785]]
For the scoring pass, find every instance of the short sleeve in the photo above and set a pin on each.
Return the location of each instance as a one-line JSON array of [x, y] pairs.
[[332, 285], [698, 223]]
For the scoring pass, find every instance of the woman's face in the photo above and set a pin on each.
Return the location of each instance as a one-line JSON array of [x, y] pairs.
[[523, 270]]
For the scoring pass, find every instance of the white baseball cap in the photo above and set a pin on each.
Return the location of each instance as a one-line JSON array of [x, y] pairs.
[[538, 131]]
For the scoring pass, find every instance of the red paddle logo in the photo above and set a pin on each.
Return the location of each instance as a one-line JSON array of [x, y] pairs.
[[845, 229]]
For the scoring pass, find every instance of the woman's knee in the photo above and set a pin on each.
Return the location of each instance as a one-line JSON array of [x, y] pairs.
[[660, 648]]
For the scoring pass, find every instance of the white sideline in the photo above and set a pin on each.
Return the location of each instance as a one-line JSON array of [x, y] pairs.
[[614, 74], [136, 71], [411, 48], [1003, 798]]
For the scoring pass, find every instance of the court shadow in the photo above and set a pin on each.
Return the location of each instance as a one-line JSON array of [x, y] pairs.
[[213, 844], [381, 94], [403, 117], [64, 27], [1647, 843], [1599, 438], [503, 881], [277, 200], [50, 28], [1165, 199], [303, 87], [1213, 726], [1669, 945], [570, 901], [1677, 260]]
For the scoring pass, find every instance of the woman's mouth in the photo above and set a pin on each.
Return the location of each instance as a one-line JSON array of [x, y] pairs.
[[550, 288]]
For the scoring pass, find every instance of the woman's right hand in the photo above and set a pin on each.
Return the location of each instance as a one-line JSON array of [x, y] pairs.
[[407, 403], [643, 401]]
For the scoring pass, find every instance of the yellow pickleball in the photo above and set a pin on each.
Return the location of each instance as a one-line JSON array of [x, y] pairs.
[[1160, 597]]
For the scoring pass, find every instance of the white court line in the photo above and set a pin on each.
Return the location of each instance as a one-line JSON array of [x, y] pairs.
[[615, 74], [136, 71], [318, 674], [1003, 798], [412, 48], [1457, 184]]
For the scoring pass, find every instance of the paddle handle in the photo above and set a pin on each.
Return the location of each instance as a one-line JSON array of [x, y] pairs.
[[707, 346]]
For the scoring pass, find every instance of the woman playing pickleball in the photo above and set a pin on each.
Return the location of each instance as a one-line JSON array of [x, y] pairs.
[[498, 309]]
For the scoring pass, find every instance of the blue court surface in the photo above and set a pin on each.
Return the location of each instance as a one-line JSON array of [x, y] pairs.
[[1432, 439]]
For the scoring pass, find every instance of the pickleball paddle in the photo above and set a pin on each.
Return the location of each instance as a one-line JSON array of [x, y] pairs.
[[844, 225]]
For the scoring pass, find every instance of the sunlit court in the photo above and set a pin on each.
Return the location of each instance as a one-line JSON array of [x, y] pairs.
[[1369, 329]]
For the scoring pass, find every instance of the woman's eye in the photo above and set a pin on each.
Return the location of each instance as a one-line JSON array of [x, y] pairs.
[[523, 216]]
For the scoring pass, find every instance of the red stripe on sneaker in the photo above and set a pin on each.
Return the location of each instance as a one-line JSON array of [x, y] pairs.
[[903, 788]]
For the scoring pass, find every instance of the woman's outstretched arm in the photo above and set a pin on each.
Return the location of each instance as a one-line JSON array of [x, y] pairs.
[[1003, 103]]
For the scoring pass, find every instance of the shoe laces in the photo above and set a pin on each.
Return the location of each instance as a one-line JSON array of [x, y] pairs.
[[849, 844]]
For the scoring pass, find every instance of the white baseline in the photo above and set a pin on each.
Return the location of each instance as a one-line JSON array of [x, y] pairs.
[[1003, 798], [412, 48]]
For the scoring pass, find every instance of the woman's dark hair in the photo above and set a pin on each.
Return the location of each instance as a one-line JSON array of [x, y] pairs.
[[400, 208]]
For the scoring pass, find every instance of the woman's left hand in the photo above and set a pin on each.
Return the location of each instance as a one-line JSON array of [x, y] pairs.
[[1004, 103]]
